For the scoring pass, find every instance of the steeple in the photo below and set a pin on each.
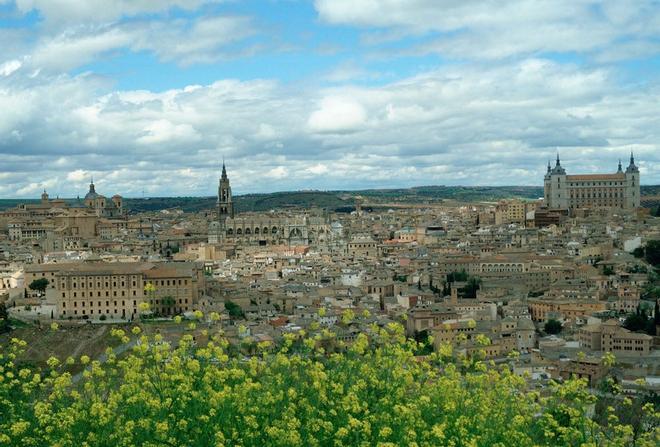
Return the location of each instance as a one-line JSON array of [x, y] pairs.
[[620, 169], [558, 169], [549, 168], [631, 167], [225, 203]]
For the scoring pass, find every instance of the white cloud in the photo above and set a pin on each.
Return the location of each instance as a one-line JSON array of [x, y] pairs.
[[78, 176], [493, 30], [337, 114], [183, 41], [59, 12], [9, 67], [467, 124]]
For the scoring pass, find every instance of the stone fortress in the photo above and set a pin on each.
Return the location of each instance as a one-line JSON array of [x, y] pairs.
[[263, 228], [570, 192]]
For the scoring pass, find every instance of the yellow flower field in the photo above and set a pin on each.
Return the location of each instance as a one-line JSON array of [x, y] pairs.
[[374, 393]]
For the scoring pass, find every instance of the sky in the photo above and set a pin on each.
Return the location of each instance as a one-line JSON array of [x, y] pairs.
[[149, 96]]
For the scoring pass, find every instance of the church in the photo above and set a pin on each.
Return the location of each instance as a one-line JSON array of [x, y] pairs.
[[569, 192], [262, 229]]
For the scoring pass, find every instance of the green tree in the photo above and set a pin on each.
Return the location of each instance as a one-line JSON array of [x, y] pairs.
[[470, 289], [234, 309], [652, 252], [4, 319], [552, 326], [39, 285]]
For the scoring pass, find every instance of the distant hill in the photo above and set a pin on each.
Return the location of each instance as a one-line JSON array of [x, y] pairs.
[[337, 199]]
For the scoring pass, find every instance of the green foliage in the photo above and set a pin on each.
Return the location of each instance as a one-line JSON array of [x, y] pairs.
[[39, 285], [457, 276], [4, 319], [470, 289], [234, 309], [608, 270], [652, 252], [473, 283], [374, 393], [552, 326], [640, 321], [168, 301]]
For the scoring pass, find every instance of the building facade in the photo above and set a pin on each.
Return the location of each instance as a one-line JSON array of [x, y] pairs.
[[115, 290], [567, 192], [262, 229]]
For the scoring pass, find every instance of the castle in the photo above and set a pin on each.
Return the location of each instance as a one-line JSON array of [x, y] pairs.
[[569, 192], [262, 229]]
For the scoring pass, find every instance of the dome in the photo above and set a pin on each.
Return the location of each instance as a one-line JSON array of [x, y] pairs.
[[91, 195]]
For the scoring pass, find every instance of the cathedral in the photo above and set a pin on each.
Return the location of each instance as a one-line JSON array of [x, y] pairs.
[[568, 192], [262, 228], [101, 206]]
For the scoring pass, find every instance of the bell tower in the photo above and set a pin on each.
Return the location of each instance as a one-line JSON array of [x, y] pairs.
[[225, 203]]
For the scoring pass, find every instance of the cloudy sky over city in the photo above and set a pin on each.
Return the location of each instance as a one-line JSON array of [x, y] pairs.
[[150, 95]]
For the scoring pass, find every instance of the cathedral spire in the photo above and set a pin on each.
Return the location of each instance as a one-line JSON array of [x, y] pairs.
[[620, 168], [632, 158], [549, 168], [224, 170], [557, 159]]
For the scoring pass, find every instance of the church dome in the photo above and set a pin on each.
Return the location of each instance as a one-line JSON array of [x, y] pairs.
[[91, 194]]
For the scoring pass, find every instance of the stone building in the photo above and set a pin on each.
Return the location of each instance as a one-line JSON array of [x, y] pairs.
[[115, 290], [261, 228], [102, 206], [609, 336], [619, 190]]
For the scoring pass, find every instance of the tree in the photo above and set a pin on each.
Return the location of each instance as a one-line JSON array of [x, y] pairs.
[[640, 321], [470, 289], [652, 252], [552, 326], [233, 309], [608, 270], [4, 319], [39, 285]]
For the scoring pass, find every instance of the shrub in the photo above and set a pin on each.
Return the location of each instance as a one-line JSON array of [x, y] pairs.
[[374, 393], [552, 326]]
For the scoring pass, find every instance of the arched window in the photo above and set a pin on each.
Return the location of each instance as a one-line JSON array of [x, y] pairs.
[[256, 230], [230, 232], [248, 231], [274, 230], [239, 232]]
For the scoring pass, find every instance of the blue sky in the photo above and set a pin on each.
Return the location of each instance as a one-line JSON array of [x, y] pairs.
[[326, 94]]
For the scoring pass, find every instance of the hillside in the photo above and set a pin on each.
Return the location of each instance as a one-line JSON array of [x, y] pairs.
[[339, 199]]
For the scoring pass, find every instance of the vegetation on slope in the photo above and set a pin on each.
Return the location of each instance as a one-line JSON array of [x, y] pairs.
[[336, 199], [375, 392]]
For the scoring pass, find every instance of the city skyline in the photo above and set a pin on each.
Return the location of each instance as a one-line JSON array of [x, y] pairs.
[[223, 172], [322, 95]]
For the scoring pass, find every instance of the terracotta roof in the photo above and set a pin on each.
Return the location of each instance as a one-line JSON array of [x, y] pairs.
[[591, 177]]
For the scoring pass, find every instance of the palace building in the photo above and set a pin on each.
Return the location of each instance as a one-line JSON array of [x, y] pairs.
[[569, 192]]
